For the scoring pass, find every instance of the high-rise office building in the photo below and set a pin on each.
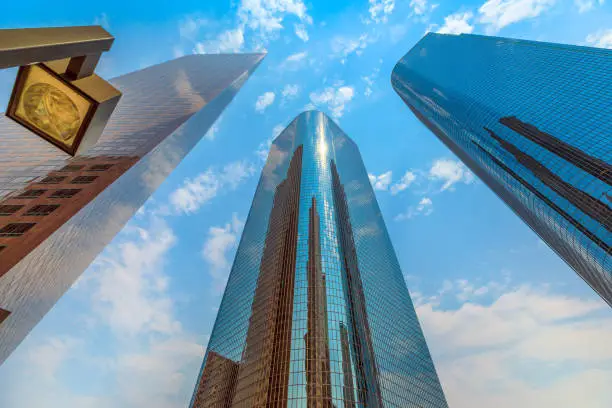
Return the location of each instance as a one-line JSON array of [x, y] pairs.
[[533, 121], [57, 212], [316, 312]]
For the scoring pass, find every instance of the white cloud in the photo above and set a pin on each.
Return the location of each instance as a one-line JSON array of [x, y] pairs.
[[264, 101], [380, 10], [264, 147], [601, 39], [130, 295], [369, 80], [342, 47], [102, 20], [523, 347], [216, 247], [189, 27], [407, 179], [155, 376], [382, 182], [297, 57], [49, 356], [277, 130], [450, 172], [130, 284], [261, 19], [419, 7], [228, 41], [290, 91], [334, 98], [197, 191], [267, 15], [214, 129], [464, 290], [457, 23], [587, 5], [424, 207], [397, 32], [147, 360], [300, 31], [501, 13]]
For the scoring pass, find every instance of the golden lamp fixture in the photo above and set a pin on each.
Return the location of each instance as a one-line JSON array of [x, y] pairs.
[[57, 95]]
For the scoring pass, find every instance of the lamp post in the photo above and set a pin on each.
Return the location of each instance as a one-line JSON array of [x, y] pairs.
[[56, 94]]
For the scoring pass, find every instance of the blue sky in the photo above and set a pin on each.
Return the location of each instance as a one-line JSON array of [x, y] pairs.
[[508, 323]]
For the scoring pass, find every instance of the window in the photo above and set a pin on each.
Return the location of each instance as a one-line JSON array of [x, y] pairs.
[[3, 315], [42, 210], [83, 179], [16, 229], [100, 167], [2, 248], [66, 193], [72, 167], [31, 194], [53, 179], [9, 209]]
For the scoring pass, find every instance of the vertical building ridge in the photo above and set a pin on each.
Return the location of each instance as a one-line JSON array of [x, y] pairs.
[[264, 367], [316, 340], [368, 388]]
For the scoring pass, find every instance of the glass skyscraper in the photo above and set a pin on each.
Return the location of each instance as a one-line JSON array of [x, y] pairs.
[[316, 312], [57, 212], [534, 121]]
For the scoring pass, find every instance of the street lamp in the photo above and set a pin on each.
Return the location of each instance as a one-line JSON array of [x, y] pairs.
[[56, 94]]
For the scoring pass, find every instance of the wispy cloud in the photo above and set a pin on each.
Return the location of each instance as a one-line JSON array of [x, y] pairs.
[[300, 32], [103, 21], [342, 46], [419, 7], [197, 191], [262, 20], [227, 41], [587, 5], [510, 338], [406, 181], [264, 100], [264, 147], [369, 81], [380, 10], [381, 182], [297, 57], [294, 62], [424, 207], [601, 39], [334, 99], [290, 91], [214, 129], [457, 23], [219, 241], [130, 286], [498, 14], [148, 360], [450, 172]]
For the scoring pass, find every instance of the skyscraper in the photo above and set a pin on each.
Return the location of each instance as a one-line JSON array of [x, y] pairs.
[[316, 312], [533, 121], [57, 212]]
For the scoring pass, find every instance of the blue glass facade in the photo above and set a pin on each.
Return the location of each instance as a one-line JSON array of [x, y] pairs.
[[534, 121], [316, 312]]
